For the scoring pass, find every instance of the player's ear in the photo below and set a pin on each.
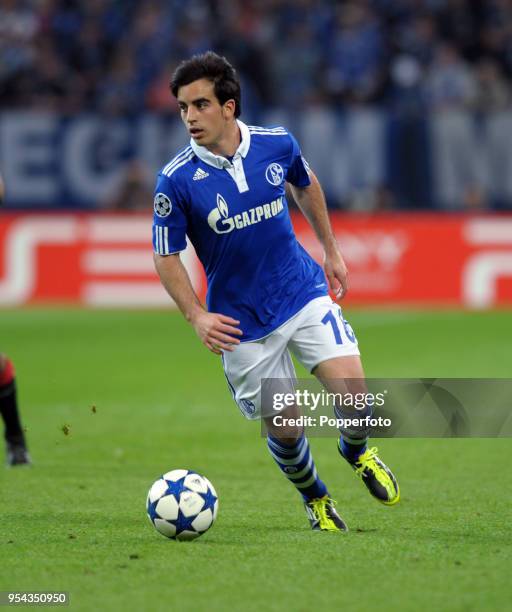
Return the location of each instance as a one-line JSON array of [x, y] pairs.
[[228, 109]]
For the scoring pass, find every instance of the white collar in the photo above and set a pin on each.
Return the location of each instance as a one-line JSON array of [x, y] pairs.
[[218, 161]]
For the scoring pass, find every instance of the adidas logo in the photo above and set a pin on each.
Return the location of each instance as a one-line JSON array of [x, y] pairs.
[[200, 174]]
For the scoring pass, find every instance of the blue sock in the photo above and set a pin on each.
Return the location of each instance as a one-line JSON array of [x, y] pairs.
[[353, 449], [354, 438], [296, 463]]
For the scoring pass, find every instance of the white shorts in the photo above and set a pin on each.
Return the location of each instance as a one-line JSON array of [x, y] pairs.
[[316, 333]]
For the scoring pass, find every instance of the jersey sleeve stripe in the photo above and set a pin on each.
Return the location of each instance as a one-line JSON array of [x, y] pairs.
[[268, 133], [161, 241], [178, 157], [182, 162], [257, 128], [176, 160], [261, 130]]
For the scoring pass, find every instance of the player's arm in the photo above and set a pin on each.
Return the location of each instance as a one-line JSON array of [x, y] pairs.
[[311, 201], [216, 331]]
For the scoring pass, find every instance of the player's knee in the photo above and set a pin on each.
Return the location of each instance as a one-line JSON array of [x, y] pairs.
[[286, 425]]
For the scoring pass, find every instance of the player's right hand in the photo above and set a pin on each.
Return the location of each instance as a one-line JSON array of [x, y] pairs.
[[217, 332]]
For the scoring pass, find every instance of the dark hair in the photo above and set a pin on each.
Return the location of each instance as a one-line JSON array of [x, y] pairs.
[[216, 69]]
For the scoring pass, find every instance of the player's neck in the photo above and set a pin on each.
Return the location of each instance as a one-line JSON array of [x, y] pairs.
[[229, 141]]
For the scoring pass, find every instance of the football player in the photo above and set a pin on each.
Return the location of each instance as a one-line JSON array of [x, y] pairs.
[[266, 295], [17, 453]]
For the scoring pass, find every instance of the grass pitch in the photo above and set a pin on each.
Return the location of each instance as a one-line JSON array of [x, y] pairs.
[[111, 400]]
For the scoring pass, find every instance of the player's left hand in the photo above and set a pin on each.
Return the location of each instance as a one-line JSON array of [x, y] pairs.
[[336, 272]]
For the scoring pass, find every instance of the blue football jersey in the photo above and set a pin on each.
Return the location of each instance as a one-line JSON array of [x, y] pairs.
[[235, 213]]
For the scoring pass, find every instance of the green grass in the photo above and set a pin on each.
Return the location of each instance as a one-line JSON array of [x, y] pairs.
[[76, 520]]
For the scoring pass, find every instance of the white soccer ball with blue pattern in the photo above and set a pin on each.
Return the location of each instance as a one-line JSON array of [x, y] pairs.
[[182, 505]]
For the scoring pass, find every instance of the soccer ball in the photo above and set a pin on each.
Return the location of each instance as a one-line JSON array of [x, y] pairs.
[[182, 505]]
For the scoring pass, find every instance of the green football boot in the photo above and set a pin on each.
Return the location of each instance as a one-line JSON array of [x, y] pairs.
[[322, 515], [376, 475]]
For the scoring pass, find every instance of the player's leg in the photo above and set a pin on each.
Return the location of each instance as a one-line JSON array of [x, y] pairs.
[[289, 447], [245, 368], [325, 343], [15, 440], [345, 375]]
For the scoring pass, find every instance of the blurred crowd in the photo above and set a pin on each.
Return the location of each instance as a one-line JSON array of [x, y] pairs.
[[441, 70], [116, 56]]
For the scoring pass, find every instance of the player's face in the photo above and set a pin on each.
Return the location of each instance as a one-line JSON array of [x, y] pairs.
[[201, 112]]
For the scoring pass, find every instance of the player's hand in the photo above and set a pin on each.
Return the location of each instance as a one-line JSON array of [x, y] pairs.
[[336, 272], [217, 332]]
